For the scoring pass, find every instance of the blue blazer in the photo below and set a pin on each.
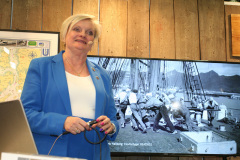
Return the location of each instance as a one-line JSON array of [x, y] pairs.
[[46, 101]]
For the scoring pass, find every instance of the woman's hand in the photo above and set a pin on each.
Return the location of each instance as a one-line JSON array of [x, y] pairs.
[[105, 125], [75, 125]]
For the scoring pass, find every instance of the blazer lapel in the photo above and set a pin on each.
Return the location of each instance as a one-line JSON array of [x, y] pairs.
[[99, 86], [59, 77]]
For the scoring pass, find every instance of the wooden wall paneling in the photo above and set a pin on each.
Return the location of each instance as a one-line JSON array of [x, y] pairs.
[[27, 15], [212, 30], [118, 158], [88, 7], [233, 158], [213, 158], [163, 158], [191, 158], [162, 43], [137, 158], [113, 17], [230, 9], [186, 29], [138, 28], [235, 28], [54, 13], [5, 14]]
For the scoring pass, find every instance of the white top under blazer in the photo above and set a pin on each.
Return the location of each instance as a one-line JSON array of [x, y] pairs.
[[82, 95]]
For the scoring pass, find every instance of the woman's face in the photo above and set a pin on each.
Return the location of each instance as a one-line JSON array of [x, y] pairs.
[[80, 35]]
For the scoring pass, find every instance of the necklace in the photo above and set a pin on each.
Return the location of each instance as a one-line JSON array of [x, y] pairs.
[[78, 73]]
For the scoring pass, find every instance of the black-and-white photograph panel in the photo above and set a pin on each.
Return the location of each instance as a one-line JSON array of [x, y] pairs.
[[175, 106]]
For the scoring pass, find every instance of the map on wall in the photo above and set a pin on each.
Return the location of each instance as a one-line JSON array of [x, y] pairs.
[[16, 53], [15, 57]]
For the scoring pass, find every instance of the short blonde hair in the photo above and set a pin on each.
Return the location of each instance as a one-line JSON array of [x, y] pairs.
[[72, 20]]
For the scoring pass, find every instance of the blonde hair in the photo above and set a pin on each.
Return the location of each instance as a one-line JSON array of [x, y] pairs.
[[72, 20]]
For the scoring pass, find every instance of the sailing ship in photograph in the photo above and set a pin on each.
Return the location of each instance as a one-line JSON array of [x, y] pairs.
[[169, 104]]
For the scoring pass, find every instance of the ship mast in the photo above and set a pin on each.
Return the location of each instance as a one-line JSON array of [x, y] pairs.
[[193, 82]]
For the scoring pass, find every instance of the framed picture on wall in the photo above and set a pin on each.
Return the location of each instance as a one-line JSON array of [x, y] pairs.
[[17, 49]]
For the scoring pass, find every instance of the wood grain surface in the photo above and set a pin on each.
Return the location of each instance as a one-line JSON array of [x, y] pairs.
[[230, 9], [138, 28], [162, 40], [235, 28], [54, 13], [212, 30], [27, 15], [186, 29], [113, 41], [5, 14]]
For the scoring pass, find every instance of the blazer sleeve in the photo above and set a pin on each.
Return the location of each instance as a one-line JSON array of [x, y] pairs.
[[40, 119], [110, 109]]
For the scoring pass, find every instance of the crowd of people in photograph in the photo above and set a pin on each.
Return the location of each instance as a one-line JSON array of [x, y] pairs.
[[159, 109]]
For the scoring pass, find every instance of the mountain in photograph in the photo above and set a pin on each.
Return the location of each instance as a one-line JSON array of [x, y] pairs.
[[210, 81]]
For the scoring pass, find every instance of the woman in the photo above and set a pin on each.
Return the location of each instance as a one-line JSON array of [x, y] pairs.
[[63, 92]]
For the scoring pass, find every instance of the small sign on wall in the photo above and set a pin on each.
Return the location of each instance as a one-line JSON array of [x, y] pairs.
[[235, 28]]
